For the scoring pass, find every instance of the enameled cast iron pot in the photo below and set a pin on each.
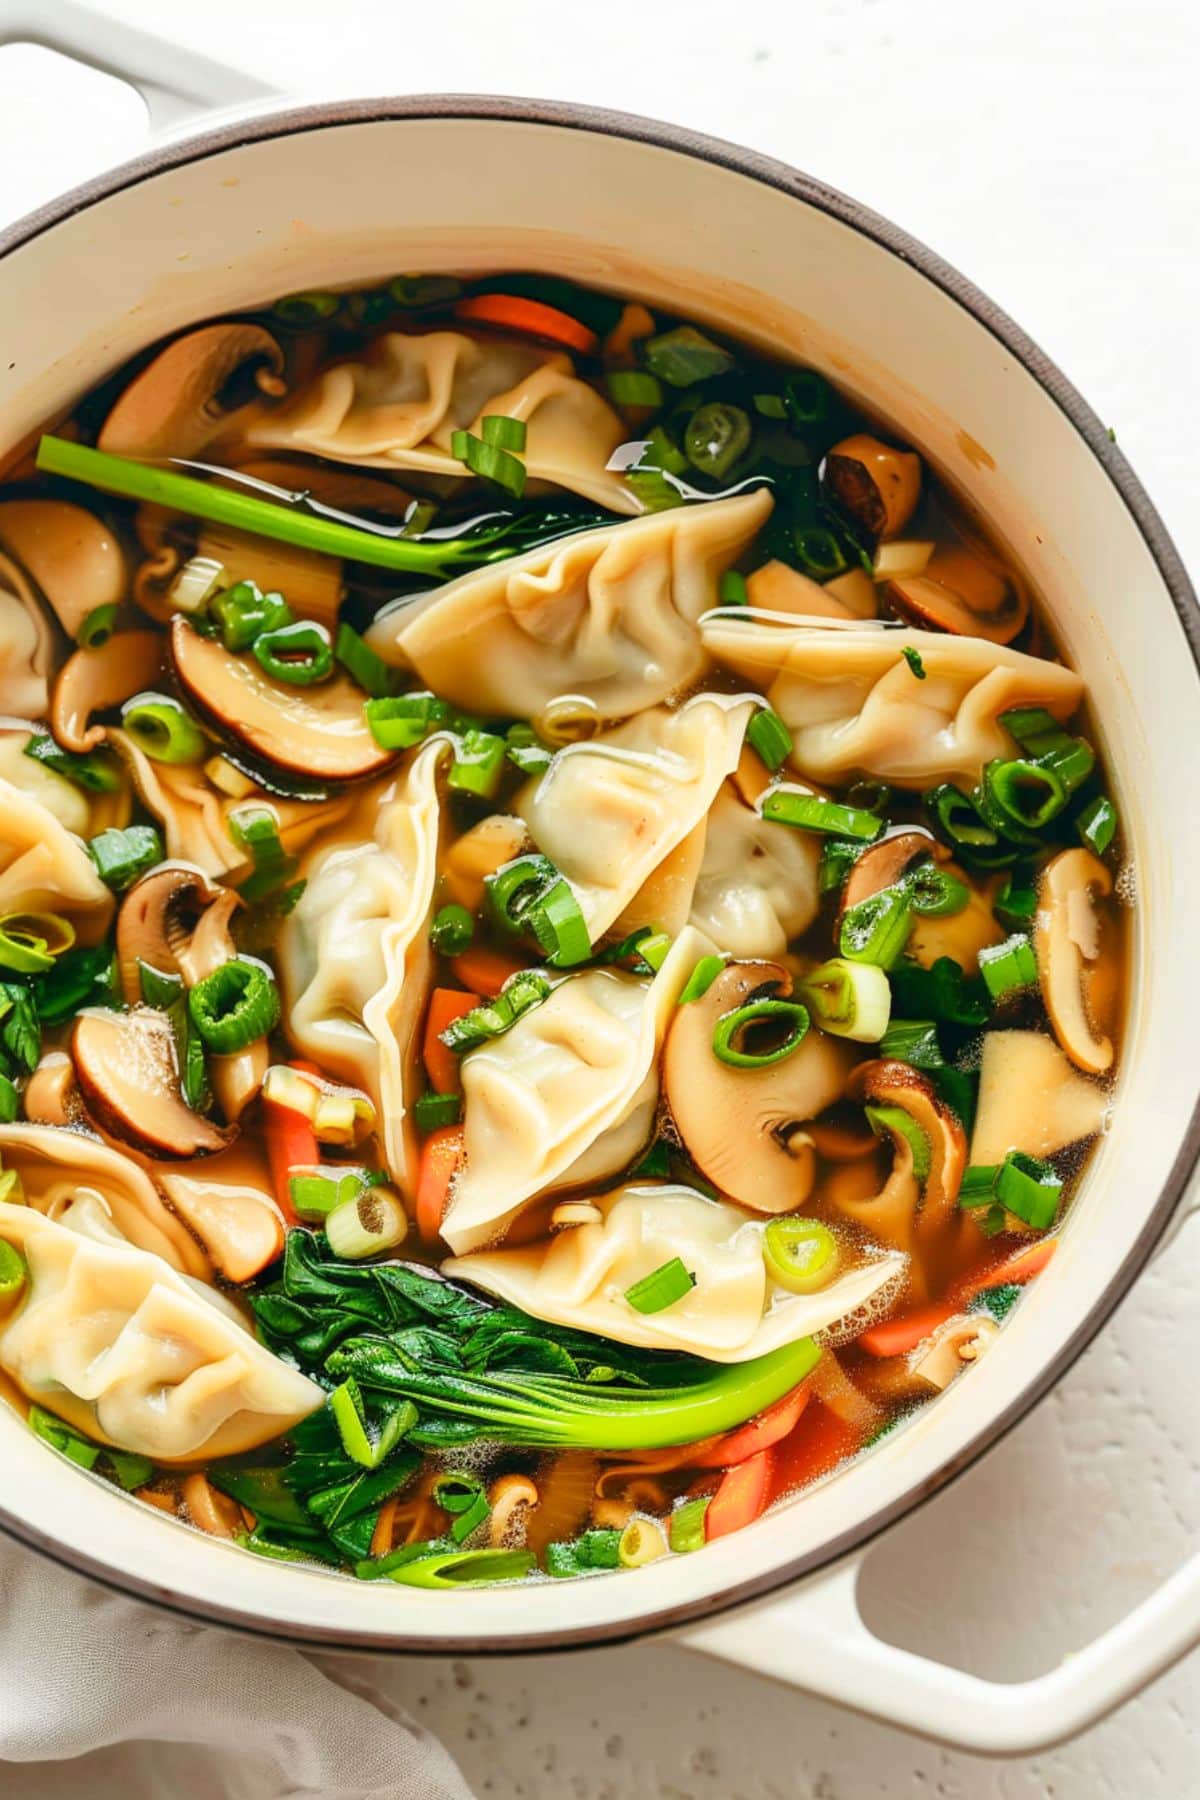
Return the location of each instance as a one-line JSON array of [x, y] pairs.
[[271, 202]]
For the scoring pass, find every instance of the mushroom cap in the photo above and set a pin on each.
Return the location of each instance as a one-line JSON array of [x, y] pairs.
[[1072, 944], [186, 397], [94, 680], [876, 484], [75, 560], [742, 1127], [884, 1082], [125, 1066], [882, 864], [159, 920], [964, 593], [316, 731]]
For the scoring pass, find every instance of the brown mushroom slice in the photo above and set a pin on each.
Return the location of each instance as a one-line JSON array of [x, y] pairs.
[[955, 1343], [50, 1096], [1031, 1099], [227, 1201], [874, 483], [1073, 940], [190, 394], [27, 651], [93, 681], [316, 731], [75, 560], [743, 1128], [963, 593], [158, 920], [125, 1066], [886, 1084], [883, 864]]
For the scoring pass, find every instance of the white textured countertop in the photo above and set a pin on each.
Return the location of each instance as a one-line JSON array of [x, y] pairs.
[[1050, 151]]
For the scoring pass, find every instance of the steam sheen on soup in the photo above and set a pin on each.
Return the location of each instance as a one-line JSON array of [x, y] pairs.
[[559, 942]]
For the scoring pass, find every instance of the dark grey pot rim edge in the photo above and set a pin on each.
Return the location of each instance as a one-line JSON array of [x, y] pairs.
[[261, 126]]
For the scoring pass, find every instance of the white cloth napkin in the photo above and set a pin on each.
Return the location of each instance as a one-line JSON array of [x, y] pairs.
[[103, 1698]]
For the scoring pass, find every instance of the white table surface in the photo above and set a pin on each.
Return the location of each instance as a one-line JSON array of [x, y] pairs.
[[1050, 150]]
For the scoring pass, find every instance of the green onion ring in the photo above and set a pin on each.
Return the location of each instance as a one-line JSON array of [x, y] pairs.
[[732, 1024]]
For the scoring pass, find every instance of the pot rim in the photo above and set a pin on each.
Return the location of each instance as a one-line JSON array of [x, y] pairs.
[[263, 125]]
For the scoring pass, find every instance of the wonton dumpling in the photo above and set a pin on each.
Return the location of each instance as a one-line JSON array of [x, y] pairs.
[[580, 1275], [354, 956], [609, 811], [398, 407], [609, 614], [567, 1096], [855, 707], [758, 884], [124, 1348], [43, 868], [26, 646]]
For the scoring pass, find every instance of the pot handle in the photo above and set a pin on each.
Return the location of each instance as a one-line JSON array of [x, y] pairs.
[[178, 85], [815, 1638]]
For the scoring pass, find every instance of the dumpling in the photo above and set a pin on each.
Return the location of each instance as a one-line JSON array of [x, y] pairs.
[[194, 814], [26, 646], [398, 407], [354, 956], [579, 1277], [567, 1096], [758, 883], [607, 812], [55, 1167], [44, 868], [227, 1201], [124, 1348], [609, 614], [854, 706]]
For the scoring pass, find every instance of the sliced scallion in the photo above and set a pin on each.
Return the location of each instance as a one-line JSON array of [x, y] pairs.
[[701, 978], [768, 734], [363, 666], [962, 825], [299, 654], [716, 435], [812, 812], [802, 1255], [1029, 1189], [848, 999], [489, 461], [1097, 824], [432, 1111], [255, 829], [160, 725], [235, 1005], [503, 433], [935, 892], [95, 771], [97, 627], [495, 1017], [730, 1032], [399, 721], [478, 764], [244, 612], [634, 387], [557, 922], [526, 751], [663, 1287], [373, 1222], [464, 1568], [685, 1529], [876, 929], [1008, 968], [1016, 903], [14, 1272], [684, 356], [1020, 796], [894, 1122], [732, 591], [121, 856], [452, 930]]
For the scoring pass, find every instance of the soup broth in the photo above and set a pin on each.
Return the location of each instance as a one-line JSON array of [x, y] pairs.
[[560, 957]]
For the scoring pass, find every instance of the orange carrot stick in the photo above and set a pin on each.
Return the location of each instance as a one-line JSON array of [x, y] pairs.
[[779, 1421], [441, 1064], [819, 1443], [440, 1159], [512, 313], [895, 1337], [741, 1497], [291, 1143], [1021, 1266], [485, 970]]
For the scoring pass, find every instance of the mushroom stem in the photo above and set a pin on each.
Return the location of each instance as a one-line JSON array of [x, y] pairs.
[[92, 681]]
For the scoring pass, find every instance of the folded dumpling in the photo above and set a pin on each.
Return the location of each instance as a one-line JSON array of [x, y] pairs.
[[567, 1096], [607, 812], [757, 888], [126, 1349], [354, 956], [609, 614], [398, 406], [580, 1276], [857, 705], [45, 868]]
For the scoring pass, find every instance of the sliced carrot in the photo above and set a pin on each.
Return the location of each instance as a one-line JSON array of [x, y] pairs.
[[441, 1065], [485, 970], [440, 1158], [819, 1443], [743, 1494], [1023, 1265], [291, 1143], [897, 1336], [779, 1421], [512, 313]]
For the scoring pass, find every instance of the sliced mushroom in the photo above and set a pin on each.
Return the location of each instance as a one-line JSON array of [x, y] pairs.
[[1072, 940], [510, 1498], [877, 485], [92, 681], [884, 1083], [961, 592], [779, 588], [316, 731], [959, 1341], [28, 645], [50, 1096], [190, 394], [743, 1128], [227, 1201], [882, 865], [76, 561], [960, 935], [126, 1069], [1031, 1099], [209, 1509]]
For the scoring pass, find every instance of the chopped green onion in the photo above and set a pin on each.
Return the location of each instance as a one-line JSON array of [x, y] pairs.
[[526, 751], [244, 612], [838, 857], [256, 830], [717, 434], [941, 992], [97, 772], [495, 1017], [770, 406], [819, 552], [235, 1005], [686, 1527], [97, 627], [869, 796], [30, 942], [913, 659], [432, 1111], [642, 1541], [598, 1547], [661, 452], [315, 1192], [363, 1227], [894, 1122], [877, 928], [363, 666], [811, 812], [470, 1520], [965, 829], [302, 310], [684, 356], [848, 999], [633, 387], [452, 930], [751, 1017], [662, 1288], [489, 461], [14, 1271], [121, 856], [300, 654], [59, 1434], [935, 892], [503, 433], [978, 1186], [1097, 824], [913, 1041], [1019, 796], [558, 924], [701, 978], [768, 734], [1029, 1189], [462, 1568], [1016, 903], [397, 722], [1071, 759], [511, 890], [808, 397], [732, 591], [802, 1255], [657, 1161], [160, 725], [1008, 968], [478, 764]]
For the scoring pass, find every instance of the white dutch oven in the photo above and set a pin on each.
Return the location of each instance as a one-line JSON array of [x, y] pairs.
[[271, 202]]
